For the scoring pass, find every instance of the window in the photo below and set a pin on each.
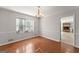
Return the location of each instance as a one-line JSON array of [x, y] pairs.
[[24, 25]]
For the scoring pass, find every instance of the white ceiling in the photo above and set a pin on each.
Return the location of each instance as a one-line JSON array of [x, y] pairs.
[[32, 10]]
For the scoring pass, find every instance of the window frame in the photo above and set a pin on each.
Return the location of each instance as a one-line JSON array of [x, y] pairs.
[[22, 28]]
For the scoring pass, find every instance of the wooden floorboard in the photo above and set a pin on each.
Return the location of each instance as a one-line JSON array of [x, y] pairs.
[[38, 45]]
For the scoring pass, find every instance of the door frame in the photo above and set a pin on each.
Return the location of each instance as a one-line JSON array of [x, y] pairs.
[[74, 19]]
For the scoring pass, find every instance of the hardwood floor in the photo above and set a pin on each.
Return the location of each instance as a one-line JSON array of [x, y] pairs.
[[38, 45]]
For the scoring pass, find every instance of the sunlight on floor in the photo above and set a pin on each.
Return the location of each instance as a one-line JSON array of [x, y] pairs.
[[30, 48]]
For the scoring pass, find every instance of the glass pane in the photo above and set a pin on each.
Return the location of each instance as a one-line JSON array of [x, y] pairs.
[[17, 24], [24, 25]]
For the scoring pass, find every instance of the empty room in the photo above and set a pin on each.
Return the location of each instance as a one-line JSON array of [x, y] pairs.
[[39, 29]]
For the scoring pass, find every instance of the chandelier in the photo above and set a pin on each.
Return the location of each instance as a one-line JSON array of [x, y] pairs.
[[39, 12]]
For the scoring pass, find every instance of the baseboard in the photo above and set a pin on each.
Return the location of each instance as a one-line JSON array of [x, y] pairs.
[[76, 46], [16, 40], [28, 38], [33, 37], [50, 38]]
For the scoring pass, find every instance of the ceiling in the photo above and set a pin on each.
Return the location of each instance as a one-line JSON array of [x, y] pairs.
[[46, 10]]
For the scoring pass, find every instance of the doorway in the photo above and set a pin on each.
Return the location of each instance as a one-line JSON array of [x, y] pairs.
[[68, 30]]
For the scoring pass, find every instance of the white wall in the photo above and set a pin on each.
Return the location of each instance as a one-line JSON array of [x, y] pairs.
[[8, 27], [77, 27], [50, 25]]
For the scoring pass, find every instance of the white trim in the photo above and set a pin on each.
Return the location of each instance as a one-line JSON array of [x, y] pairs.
[[28, 38], [16, 41], [50, 38], [76, 46]]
